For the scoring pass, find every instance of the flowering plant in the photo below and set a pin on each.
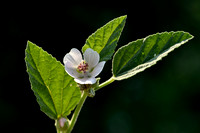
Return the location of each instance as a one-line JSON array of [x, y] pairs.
[[61, 89]]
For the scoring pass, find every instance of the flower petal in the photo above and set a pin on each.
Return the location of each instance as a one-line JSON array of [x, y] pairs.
[[91, 57], [85, 80], [74, 56], [72, 71], [97, 69]]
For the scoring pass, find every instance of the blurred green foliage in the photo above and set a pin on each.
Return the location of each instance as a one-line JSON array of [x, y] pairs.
[[163, 99]]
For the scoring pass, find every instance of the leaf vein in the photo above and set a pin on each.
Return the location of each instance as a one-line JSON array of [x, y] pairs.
[[39, 60]]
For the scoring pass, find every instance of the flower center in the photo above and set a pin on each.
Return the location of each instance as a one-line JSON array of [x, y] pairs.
[[83, 67]]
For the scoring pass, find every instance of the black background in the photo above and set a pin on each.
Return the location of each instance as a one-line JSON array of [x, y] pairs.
[[163, 99]]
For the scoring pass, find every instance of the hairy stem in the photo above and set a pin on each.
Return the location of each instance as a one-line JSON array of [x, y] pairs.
[[77, 111]]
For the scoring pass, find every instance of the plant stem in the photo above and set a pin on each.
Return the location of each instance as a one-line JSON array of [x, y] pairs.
[[80, 105], [57, 128], [58, 131], [77, 111], [109, 81]]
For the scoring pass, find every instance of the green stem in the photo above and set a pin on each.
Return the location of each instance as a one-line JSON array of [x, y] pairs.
[[80, 105], [77, 111], [57, 129], [109, 81]]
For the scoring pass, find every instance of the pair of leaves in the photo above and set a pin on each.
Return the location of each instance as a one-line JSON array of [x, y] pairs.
[[58, 94], [137, 55]]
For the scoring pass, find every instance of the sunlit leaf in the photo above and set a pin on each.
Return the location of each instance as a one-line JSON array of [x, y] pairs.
[[105, 39], [143, 53], [56, 92]]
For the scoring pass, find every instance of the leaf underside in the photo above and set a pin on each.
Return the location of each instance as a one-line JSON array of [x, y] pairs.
[[143, 53], [56, 92], [105, 39]]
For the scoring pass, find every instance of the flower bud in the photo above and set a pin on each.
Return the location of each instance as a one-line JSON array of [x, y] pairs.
[[62, 124]]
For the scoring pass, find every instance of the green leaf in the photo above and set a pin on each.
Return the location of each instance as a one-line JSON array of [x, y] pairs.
[[105, 39], [56, 92], [143, 53]]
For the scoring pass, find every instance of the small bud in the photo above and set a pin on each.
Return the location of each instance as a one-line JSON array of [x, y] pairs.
[[62, 124]]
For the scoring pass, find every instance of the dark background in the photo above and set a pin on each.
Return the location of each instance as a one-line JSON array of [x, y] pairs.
[[163, 99]]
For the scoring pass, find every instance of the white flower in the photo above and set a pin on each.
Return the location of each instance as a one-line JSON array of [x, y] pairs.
[[84, 71]]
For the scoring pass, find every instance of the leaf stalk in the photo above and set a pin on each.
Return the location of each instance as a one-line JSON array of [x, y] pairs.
[[109, 81]]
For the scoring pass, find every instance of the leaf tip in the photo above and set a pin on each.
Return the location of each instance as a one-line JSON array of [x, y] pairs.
[[29, 43], [124, 17]]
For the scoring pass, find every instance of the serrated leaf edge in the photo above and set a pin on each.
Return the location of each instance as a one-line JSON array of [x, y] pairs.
[[29, 52], [151, 62], [62, 112], [28, 47], [102, 27]]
